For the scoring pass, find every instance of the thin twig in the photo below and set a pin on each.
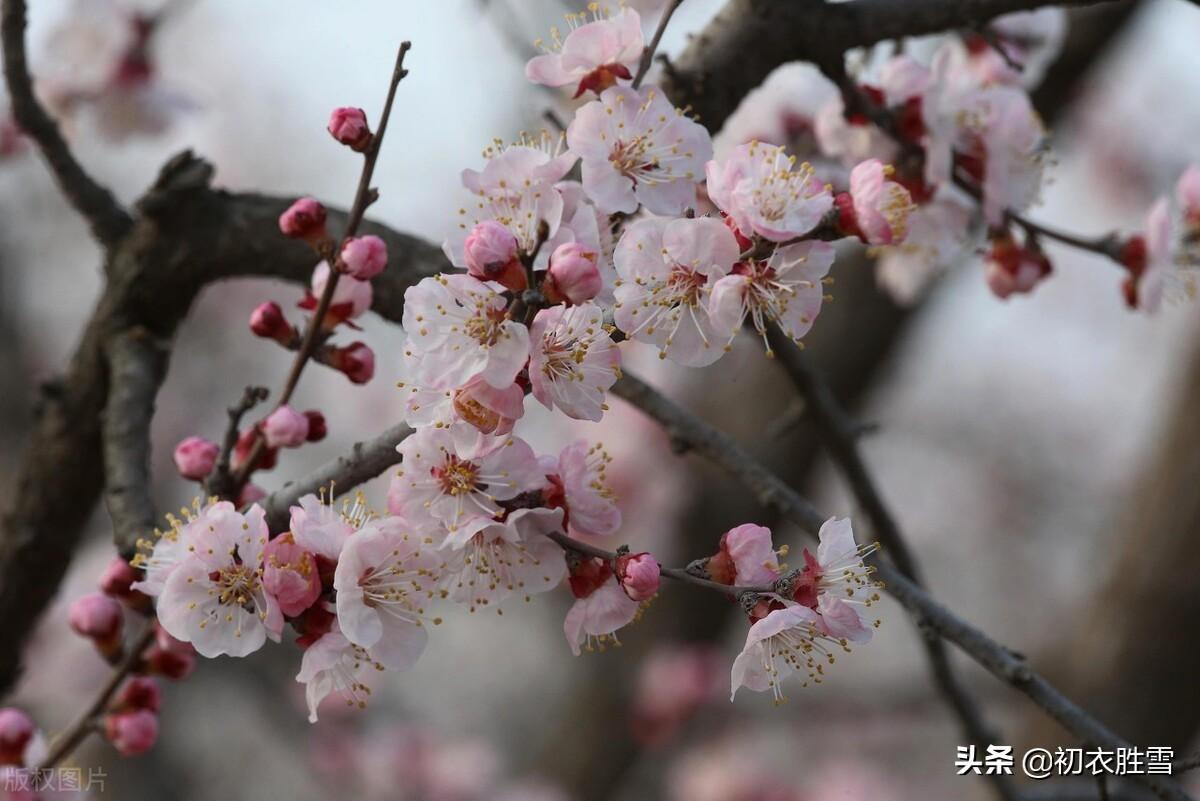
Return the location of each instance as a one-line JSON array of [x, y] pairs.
[[648, 51], [108, 220], [220, 483], [364, 196], [78, 731], [773, 491]]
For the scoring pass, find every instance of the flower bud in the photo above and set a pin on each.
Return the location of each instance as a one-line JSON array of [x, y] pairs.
[[140, 692], [195, 457], [491, 253], [100, 619], [1011, 269], [351, 297], [349, 126], [285, 428], [241, 451], [132, 733], [116, 579], [305, 219], [169, 657], [250, 493], [639, 575], [573, 276], [290, 574], [317, 429], [364, 257], [16, 732], [268, 322], [356, 360]]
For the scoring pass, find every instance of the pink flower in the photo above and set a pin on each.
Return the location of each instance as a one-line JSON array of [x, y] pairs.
[[131, 733], [850, 140], [746, 557], [304, 219], [757, 187], [902, 79], [638, 575], [356, 360], [349, 126], [1031, 39], [333, 664], [490, 252], [461, 329], [17, 731], [593, 55], [673, 682], [786, 289], [580, 486], [267, 321], [667, 269], [383, 582], [456, 475], [573, 276], [573, 361], [351, 298], [117, 578], [139, 692], [364, 257], [601, 607], [488, 409], [879, 208], [195, 457], [170, 657], [1167, 262], [99, 618], [321, 529], [159, 558], [837, 583], [1010, 268], [250, 493], [489, 561], [1187, 195], [1013, 144], [938, 235], [290, 574], [780, 112], [637, 148], [788, 640], [516, 190], [214, 598], [285, 428]]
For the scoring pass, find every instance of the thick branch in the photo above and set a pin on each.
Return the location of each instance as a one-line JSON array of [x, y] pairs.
[[109, 222], [137, 364], [996, 658], [365, 461], [750, 38]]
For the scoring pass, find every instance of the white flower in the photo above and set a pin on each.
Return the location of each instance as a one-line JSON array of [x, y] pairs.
[[938, 234], [159, 558], [215, 598], [786, 641], [573, 360], [757, 186], [459, 327], [333, 664], [667, 269], [593, 55], [636, 148], [580, 474], [601, 608]]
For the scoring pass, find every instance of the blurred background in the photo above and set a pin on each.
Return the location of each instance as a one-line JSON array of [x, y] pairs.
[[1043, 453]]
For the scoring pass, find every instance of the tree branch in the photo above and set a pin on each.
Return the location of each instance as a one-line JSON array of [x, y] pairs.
[[108, 220], [996, 658], [137, 364]]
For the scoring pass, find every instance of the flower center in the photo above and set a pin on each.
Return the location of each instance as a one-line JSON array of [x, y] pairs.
[[456, 476], [237, 585]]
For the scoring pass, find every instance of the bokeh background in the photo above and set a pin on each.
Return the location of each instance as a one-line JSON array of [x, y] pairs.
[[1040, 452]]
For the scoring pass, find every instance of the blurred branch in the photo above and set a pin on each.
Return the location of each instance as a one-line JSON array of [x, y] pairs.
[[999, 660], [648, 51], [137, 364], [109, 222], [365, 461], [749, 38]]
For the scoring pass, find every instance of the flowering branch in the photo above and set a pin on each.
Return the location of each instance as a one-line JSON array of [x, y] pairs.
[[999, 660], [109, 222], [220, 483], [364, 196]]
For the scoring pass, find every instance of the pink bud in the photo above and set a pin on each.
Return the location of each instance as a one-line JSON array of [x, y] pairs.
[[491, 410], [132, 733], [195, 457], [316, 425], [573, 276], [267, 321], [245, 444], [489, 249], [117, 577], [170, 657], [250, 493], [364, 257], [639, 575], [351, 297], [99, 618], [349, 126], [304, 219], [290, 574], [16, 731], [140, 692], [285, 428], [356, 360]]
